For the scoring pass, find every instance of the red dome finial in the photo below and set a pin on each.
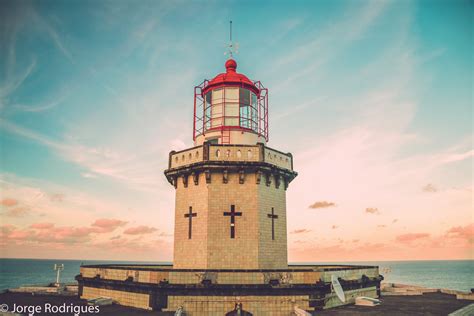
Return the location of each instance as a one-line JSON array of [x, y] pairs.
[[231, 65]]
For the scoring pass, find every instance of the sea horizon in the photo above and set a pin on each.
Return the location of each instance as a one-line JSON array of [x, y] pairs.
[[443, 274], [291, 262]]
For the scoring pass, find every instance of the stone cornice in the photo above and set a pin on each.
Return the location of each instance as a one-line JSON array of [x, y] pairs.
[[228, 167], [231, 159]]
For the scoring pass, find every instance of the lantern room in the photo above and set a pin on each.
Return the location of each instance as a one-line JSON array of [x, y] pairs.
[[230, 109]]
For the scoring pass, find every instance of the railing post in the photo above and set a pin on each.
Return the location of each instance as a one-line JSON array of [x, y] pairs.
[[261, 152], [205, 151]]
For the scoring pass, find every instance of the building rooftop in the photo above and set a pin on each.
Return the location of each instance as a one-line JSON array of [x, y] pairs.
[[427, 304]]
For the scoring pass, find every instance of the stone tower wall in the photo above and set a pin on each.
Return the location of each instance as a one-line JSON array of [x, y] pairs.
[[211, 179], [211, 246]]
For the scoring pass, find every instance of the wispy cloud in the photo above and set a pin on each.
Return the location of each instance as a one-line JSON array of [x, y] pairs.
[[53, 34], [300, 231], [353, 85], [107, 224], [372, 210], [430, 188], [9, 202], [325, 44], [139, 230], [19, 211], [42, 225], [13, 81], [463, 232], [297, 108], [322, 204], [88, 175], [97, 160], [38, 107], [410, 237], [23, 16]]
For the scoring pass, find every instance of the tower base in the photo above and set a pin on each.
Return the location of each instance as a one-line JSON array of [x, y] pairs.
[[225, 292]]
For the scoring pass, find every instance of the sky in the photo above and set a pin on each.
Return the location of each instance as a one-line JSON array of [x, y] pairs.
[[373, 98]]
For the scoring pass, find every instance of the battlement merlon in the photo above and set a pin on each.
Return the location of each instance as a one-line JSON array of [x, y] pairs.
[[231, 158]]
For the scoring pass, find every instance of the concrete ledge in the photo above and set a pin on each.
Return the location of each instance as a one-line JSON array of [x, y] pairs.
[[465, 311], [469, 297], [394, 289]]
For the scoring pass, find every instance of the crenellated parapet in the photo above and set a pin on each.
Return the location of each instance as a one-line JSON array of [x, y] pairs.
[[268, 165]]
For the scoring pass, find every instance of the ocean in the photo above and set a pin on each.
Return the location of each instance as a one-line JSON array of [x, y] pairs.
[[455, 275]]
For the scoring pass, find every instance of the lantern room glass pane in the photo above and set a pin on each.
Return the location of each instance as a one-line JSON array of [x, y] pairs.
[[217, 107], [231, 96], [207, 110], [244, 96], [245, 109], [254, 115], [232, 114]]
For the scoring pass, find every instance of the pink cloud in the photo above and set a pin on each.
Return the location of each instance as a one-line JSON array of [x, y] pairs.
[[407, 238], [18, 234], [132, 245], [43, 243], [39, 233], [19, 211], [66, 234], [322, 204], [300, 231], [336, 251], [10, 232], [107, 225], [334, 226], [7, 228], [48, 233], [429, 188], [372, 210], [139, 230], [8, 202], [42, 225], [462, 232], [57, 197]]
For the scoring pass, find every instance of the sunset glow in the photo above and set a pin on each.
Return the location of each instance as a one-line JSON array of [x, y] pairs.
[[374, 100]]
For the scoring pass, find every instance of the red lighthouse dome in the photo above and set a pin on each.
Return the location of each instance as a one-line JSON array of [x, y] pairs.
[[231, 78], [230, 109]]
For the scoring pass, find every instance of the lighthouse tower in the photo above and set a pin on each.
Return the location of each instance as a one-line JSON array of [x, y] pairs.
[[230, 187], [230, 245]]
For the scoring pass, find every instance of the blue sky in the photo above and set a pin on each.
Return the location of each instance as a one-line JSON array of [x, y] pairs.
[[94, 94]]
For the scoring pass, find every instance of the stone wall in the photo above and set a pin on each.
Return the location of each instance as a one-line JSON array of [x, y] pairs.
[[137, 300], [191, 253], [231, 153], [273, 252], [220, 305], [211, 245], [223, 289], [278, 158], [310, 276]]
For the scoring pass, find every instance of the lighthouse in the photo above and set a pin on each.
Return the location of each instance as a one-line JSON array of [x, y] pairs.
[[230, 187], [230, 228]]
